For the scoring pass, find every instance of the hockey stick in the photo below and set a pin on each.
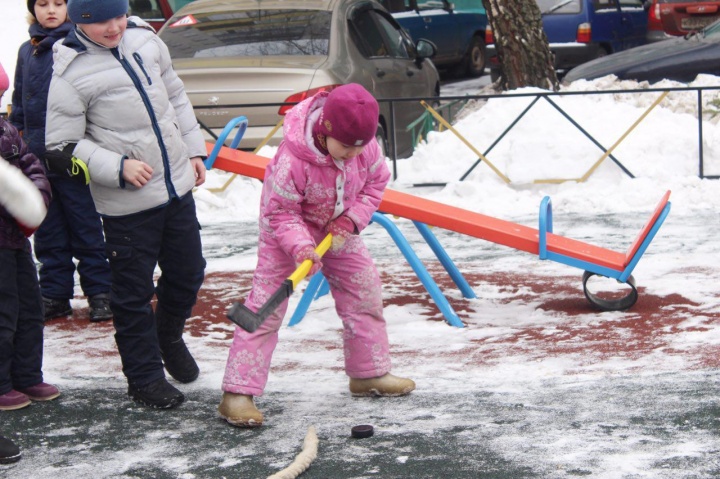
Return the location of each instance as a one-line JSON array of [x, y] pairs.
[[249, 321]]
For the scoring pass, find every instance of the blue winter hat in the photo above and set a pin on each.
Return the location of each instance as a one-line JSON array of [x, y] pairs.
[[95, 11]]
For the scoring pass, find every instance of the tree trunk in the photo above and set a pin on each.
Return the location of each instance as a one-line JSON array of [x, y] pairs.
[[521, 44]]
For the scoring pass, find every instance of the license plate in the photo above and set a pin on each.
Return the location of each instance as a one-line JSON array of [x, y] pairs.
[[696, 23]]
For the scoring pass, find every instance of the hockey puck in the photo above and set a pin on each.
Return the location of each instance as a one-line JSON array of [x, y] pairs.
[[362, 431]]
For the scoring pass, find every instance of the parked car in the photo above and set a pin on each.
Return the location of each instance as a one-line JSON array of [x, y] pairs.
[[668, 18], [680, 59], [231, 55], [456, 28], [156, 12], [582, 30]]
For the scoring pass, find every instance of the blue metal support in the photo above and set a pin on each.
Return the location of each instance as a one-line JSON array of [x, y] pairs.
[[444, 258], [316, 288], [545, 226], [430, 285], [318, 284], [241, 122], [644, 245], [625, 276]]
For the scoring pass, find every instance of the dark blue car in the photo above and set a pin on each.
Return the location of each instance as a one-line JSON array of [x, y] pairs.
[[681, 59], [456, 28], [581, 30]]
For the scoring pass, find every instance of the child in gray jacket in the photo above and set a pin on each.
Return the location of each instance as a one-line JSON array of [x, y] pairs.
[[118, 113]]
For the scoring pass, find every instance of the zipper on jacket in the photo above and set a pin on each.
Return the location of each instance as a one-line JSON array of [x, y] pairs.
[[140, 63], [153, 119]]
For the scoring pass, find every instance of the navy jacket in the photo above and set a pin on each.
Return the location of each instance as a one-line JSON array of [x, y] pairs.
[[32, 82]]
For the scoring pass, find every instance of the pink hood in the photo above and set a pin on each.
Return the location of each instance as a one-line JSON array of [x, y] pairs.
[[300, 192]]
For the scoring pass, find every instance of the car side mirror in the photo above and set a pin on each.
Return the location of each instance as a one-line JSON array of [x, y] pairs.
[[425, 49]]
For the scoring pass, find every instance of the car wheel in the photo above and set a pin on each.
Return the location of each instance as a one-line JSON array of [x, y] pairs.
[[381, 138], [475, 58]]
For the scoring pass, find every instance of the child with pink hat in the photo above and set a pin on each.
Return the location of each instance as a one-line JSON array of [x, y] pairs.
[[328, 176]]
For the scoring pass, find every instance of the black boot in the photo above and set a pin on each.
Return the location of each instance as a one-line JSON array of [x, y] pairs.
[[158, 394], [178, 361], [9, 452], [56, 308], [100, 307]]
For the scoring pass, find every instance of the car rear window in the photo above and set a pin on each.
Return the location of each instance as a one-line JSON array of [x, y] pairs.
[[248, 33], [559, 6]]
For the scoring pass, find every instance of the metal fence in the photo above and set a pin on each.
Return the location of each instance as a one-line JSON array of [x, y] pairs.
[[441, 117]]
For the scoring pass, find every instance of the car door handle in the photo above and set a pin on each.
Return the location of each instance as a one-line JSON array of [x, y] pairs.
[[380, 73], [409, 73]]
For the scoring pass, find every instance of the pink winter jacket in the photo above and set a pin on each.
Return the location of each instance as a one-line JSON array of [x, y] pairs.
[[299, 196]]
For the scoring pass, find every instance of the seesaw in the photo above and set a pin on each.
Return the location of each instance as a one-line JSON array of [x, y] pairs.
[[594, 260]]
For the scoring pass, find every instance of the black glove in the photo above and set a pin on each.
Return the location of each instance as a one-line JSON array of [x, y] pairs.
[[65, 164]]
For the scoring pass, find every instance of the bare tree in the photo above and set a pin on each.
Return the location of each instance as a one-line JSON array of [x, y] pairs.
[[521, 44]]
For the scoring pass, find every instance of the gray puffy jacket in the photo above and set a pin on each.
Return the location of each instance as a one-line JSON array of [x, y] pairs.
[[124, 102]]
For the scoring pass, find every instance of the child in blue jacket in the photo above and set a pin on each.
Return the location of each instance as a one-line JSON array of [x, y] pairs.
[[72, 228]]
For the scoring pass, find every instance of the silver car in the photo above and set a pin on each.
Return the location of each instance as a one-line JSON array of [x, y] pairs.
[[248, 58]]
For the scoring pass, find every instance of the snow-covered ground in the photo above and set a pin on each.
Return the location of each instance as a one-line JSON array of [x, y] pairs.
[[536, 380]]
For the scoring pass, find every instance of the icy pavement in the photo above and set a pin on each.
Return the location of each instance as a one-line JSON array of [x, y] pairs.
[[537, 385]]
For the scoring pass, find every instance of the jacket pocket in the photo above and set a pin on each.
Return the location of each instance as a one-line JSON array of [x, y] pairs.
[[118, 252]]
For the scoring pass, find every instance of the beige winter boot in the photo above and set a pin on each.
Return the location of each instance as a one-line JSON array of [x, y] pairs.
[[239, 410], [387, 385]]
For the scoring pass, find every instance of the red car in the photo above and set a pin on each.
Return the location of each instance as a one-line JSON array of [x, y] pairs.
[[156, 12], [668, 18]]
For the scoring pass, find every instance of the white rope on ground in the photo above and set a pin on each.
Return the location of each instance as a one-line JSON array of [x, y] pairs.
[[303, 460]]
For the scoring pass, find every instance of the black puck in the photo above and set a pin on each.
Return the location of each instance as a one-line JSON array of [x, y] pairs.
[[362, 431]]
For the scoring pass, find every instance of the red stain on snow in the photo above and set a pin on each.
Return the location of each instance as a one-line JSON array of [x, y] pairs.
[[567, 325]]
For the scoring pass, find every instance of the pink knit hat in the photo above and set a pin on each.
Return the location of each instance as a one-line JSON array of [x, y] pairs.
[[4, 80], [350, 115]]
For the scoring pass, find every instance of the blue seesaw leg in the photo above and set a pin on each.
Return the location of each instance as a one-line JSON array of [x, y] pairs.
[[440, 301], [444, 258], [317, 284]]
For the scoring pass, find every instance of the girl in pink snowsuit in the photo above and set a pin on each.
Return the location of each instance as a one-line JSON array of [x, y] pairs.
[[328, 176]]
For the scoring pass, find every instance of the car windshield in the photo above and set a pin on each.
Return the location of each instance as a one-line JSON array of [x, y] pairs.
[[249, 33], [559, 6]]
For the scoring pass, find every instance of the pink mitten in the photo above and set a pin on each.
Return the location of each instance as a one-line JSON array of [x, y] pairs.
[[308, 252], [340, 228]]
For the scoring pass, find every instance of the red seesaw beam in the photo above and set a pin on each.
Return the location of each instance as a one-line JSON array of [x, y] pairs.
[[462, 221]]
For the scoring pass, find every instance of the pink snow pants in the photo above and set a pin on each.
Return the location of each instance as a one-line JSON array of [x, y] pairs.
[[357, 291]]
